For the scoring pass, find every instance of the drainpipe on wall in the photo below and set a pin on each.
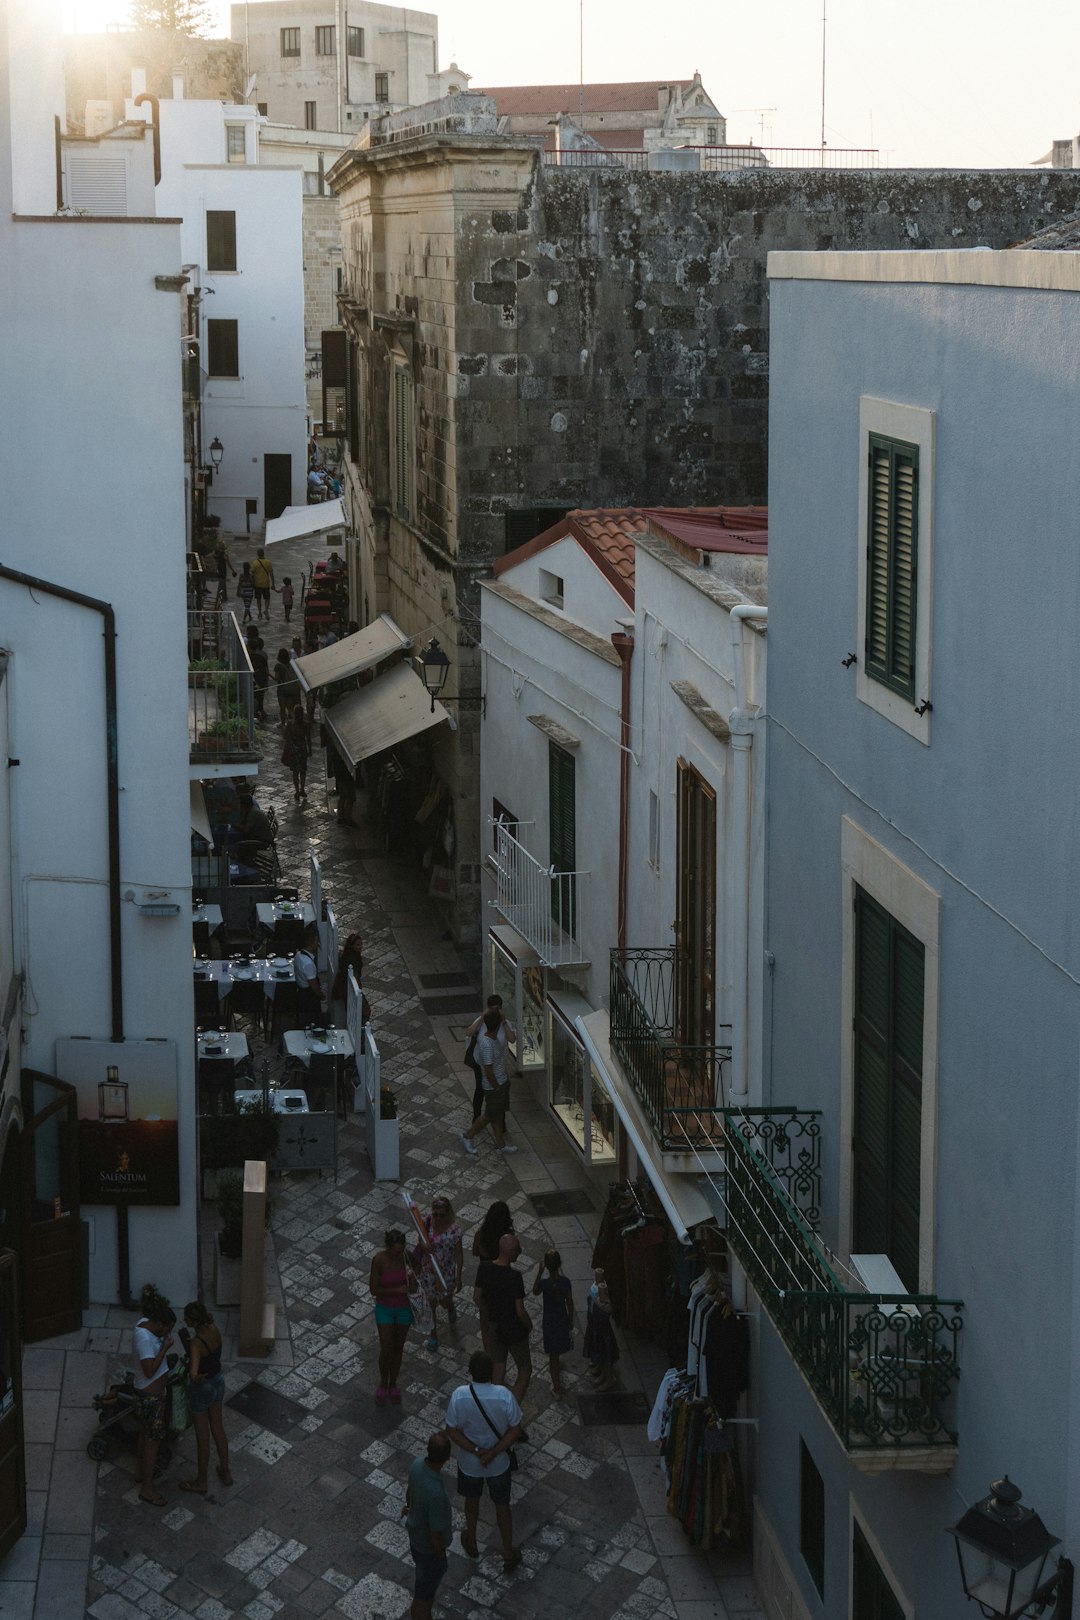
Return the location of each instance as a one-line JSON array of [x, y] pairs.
[[741, 723], [155, 124], [624, 646]]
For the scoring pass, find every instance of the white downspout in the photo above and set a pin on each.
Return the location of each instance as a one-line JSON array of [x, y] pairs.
[[742, 724]]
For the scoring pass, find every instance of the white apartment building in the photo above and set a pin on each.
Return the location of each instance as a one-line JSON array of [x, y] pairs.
[[97, 1103], [303, 75]]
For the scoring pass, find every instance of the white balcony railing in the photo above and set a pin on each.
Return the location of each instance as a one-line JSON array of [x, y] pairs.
[[543, 905]]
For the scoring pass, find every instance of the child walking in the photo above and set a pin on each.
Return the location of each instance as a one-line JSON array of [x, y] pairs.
[[558, 1322], [286, 594], [600, 1345]]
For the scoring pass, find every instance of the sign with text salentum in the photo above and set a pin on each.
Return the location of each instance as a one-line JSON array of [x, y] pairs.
[[127, 1100]]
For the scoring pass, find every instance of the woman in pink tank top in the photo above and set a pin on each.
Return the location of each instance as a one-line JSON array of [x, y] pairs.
[[389, 1284]]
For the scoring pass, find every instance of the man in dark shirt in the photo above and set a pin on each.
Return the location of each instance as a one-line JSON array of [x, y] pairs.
[[429, 1523], [503, 1292]]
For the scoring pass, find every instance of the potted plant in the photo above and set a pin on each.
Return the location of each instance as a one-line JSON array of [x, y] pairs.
[[382, 1135]]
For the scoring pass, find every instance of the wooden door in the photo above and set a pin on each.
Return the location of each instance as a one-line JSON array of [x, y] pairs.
[[695, 922], [52, 1268], [277, 485], [12, 1453]]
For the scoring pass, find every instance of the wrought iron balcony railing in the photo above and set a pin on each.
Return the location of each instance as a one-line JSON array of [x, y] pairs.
[[883, 1367], [221, 690], [542, 904], [681, 1087]]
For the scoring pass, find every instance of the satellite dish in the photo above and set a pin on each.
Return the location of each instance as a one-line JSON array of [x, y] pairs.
[[250, 85]]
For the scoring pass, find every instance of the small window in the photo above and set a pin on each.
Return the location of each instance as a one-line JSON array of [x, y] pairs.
[[812, 1517], [324, 40], [355, 41], [222, 348], [872, 1596], [382, 87], [220, 239], [710, 135], [310, 120], [290, 42], [263, 109], [235, 144], [892, 551], [551, 588], [654, 830]]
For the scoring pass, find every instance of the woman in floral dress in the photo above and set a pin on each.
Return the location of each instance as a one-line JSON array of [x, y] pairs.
[[443, 1245]]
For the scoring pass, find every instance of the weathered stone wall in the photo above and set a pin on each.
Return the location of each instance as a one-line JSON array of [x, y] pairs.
[[322, 255], [612, 333]]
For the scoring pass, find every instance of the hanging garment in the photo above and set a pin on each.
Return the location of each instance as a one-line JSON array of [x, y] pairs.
[[727, 1358]]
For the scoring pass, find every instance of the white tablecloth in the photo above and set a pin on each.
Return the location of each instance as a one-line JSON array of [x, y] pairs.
[[298, 1044], [268, 913], [233, 1047], [226, 974]]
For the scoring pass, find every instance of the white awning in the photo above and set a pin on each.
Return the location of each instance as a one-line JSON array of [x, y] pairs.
[[352, 654], [305, 522], [683, 1202], [200, 821], [394, 706]]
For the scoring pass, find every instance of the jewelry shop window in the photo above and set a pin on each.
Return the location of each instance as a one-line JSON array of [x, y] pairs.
[[578, 1098]]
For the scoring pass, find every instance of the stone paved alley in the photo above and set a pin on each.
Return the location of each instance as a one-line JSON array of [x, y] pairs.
[[313, 1523]]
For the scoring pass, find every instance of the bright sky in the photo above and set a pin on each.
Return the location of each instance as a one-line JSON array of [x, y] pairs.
[[934, 82]]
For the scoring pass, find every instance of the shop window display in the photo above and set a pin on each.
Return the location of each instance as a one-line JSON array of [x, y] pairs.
[[531, 1034], [502, 984], [578, 1098]]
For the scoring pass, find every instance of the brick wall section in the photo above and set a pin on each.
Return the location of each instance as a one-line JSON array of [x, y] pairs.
[[588, 338]]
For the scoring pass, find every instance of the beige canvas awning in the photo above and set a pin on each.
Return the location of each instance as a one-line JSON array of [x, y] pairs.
[[351, 655], [305, 522], [394, 706], [200, 821]]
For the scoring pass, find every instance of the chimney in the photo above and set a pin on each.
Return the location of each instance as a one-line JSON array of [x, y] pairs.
[[138, 82]]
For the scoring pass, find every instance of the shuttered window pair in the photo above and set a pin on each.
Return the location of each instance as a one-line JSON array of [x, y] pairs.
[[887, 1147], [892, 549]]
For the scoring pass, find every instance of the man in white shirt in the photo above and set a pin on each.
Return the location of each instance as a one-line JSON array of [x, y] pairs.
[[483, 1452], [506, 1034], [309, 990], [490, 1054]]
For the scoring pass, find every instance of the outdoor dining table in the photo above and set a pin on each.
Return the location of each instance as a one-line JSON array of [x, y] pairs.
[[281, 1102], [223, 1046], [210, 915], [227, 975], [303, 1045], [268, 913]]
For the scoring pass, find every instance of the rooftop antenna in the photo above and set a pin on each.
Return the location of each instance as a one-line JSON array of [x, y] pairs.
[[761, 121], [823, 6], [581, 63]]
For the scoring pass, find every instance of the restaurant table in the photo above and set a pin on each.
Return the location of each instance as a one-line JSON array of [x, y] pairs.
[[211, 915], [300, 1044], [227, 1047], [226, 975], [281, 1102], [268, 913]]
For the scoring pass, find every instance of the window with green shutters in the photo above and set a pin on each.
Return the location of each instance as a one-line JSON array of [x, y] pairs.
[[888, 1035], [220, 239], [892, 548], [562, 838], [872, 1598]]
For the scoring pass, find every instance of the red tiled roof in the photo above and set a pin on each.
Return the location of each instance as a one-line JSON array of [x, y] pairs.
[[606, 535], [533, 100]]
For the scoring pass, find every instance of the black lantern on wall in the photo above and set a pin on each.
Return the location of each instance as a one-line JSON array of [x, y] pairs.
[[434, 668], [1003, 1548], [217, 452]]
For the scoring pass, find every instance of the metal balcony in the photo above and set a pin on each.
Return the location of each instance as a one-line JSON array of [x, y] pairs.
[[543, 905], [883, 1367], [221, 691], [681, 1088]]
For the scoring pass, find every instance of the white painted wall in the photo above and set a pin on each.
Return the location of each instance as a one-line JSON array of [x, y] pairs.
[[263, 411], [112, 526], [590, 599]]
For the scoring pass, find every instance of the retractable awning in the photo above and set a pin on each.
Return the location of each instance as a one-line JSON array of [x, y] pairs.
[[394, 706], [200, 820], [305, 522], [352, 654]]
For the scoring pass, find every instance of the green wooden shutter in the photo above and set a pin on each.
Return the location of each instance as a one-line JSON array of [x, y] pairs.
[[887, 1141], [892, 563], [220, 239], [562, 838], [872, 1598]]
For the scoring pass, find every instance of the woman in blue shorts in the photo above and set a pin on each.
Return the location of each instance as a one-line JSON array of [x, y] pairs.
[[389, 1284], [206, 1392]]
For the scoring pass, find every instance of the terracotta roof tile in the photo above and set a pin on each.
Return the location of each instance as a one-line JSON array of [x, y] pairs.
[[533, 100]]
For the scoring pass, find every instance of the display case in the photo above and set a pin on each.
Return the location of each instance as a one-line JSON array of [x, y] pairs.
[[514, 972], [577, 1096]]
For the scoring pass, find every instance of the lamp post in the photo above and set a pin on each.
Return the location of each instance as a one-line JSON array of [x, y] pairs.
[[434, 668], [1003, 1548], [217, 452]]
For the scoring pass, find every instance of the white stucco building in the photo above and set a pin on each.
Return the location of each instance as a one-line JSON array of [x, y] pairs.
[[624, 675], [918, 1293], [95, 942]]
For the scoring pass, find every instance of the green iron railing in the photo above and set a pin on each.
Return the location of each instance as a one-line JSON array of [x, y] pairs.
[[681, 1088], [884, 1367]]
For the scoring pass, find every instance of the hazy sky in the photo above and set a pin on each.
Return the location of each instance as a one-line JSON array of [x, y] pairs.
[[932, 82]]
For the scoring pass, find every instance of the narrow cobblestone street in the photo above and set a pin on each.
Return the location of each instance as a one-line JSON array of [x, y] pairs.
[[313, 1523]]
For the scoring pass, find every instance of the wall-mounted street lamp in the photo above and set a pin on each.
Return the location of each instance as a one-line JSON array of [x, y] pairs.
[[1003, 1548], [217, 452], [434, 668]]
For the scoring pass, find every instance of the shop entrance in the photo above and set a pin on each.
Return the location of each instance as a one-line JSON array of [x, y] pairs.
[[52, 1259]]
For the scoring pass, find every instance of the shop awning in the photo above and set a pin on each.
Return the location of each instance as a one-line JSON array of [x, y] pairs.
[[200, 821], [395, 706], [305, 522], [352, 654], [683, 1202]]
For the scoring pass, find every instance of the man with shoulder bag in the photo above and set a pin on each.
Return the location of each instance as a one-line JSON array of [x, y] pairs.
[[484, 1420]]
